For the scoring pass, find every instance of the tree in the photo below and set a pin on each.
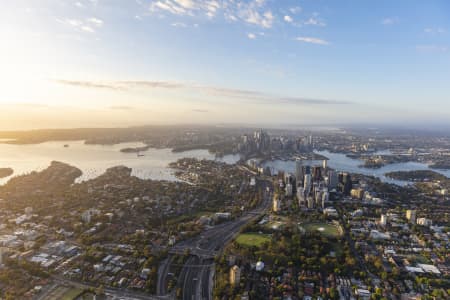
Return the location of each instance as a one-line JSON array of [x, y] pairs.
[[100, 290]]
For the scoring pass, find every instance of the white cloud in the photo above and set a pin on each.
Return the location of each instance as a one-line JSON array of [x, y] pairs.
[[73, 22], [312, 40], [185, 3], [251, 95], [288, 19], [435, 31], [168, 6], [390, 21], [231, 17], [86, 25], [315, 22], [252, 16], [432, 48], [187, 7], [253, 12], [95, 21], [87, 28], [179, 24], [260, 2], [251, 36], [295, 10]]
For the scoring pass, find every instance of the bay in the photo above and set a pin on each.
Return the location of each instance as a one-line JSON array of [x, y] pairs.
[[342, 163], [93, 160]]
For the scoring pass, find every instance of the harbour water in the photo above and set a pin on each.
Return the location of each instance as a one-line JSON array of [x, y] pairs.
[[93, 160], [341, 162]]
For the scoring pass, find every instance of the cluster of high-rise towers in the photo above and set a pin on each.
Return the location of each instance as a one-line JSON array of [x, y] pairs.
[[311, 185]]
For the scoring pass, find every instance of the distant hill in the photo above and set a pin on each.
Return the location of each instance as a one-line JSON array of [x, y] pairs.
[[5, 172]]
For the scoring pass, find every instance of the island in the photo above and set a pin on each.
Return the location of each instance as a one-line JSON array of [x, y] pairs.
[[5, 172], [379, 161], [135, 149], [441, 165], [418, 175]]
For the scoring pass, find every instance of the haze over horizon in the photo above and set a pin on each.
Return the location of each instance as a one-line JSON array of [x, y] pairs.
[[94, 63]]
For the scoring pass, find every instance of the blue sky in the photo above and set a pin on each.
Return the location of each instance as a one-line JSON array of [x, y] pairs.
[[172, 61]]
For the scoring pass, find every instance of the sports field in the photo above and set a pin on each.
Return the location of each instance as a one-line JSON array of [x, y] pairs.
[[63, 293], [327, 230], [252, 239]]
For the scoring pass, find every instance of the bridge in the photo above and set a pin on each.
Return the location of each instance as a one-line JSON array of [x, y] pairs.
[[200, 253]]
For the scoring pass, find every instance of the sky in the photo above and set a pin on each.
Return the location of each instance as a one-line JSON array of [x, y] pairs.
[[107, 63]]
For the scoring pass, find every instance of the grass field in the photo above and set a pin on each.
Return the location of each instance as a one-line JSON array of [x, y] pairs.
[[420, 259], [63, 293], [327, 230], [252, 239], [72, 294]]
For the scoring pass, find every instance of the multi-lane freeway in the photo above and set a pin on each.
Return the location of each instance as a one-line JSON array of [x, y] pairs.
[[111, 293], [197, 275]]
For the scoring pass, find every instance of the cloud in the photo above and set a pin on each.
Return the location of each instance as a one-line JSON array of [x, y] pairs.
[[121, 107], [390, 21], [88, 84], [296, 100], [251, 96], [233, 93], [253, 12], [87, 28], [312, 40], [435, 31], [198, 110], [315, 22], [150, 84], [86, 25], [252, 16], [29, 105], [179, 24], [295, 10], [251, 36], [168, 6], [208, 8], [288, 19], [95, 21], [432, 48], [121, 85]]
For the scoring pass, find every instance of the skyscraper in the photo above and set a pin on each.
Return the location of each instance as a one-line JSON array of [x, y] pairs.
[[307, 183], [289, 190], [347, 183], [317, 173], [301, 196], [299, 173], [332, 179], [411, 215], [307, 170], [325, 164]]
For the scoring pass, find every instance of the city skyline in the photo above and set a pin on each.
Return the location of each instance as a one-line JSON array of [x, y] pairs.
[[100, 64]]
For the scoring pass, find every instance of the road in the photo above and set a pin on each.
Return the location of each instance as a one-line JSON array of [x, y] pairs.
[[196, 277], [351, 243], [113, 293]]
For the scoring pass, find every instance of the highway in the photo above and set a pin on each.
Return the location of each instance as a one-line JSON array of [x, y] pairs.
[[112, 293], [196, 279]]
